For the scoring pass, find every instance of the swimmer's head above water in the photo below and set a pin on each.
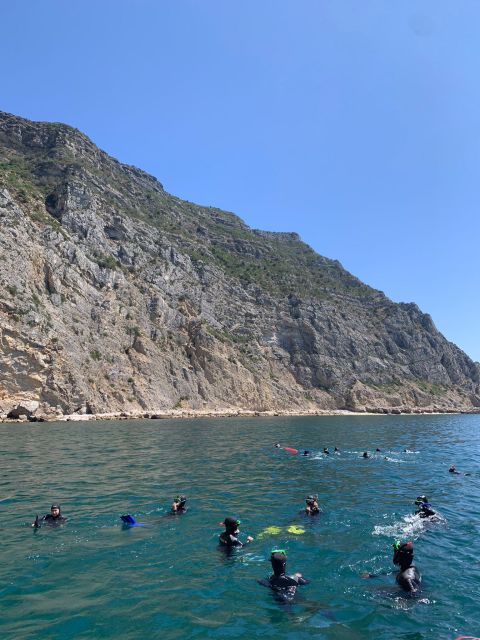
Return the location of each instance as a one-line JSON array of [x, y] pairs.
[[278, 558], [231, 525], [403, 553]]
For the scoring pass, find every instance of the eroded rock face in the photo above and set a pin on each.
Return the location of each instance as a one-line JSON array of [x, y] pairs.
[[118, 296]]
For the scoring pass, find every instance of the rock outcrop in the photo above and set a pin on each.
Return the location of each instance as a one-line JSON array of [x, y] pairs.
[[117, 296]]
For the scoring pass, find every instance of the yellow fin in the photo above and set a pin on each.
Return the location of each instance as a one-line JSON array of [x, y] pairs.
[[269, 531], [296, 530]]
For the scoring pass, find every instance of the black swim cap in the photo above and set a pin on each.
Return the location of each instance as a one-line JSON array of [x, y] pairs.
[[55, 506], [279, 561], [420, 499], [403, 553], [311, 498], [231, 524]]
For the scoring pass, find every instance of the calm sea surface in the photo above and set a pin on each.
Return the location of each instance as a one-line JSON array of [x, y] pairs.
[[93, 579]]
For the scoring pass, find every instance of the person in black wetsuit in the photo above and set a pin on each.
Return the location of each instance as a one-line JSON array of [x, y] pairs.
[[326, 451], [228, 538], [365, 454], [284, 586], [311, 506], [425, 510], [179, 505], [409, 577], [54, 518]]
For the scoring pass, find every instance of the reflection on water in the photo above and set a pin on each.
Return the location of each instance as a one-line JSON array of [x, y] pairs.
[[93, 578]]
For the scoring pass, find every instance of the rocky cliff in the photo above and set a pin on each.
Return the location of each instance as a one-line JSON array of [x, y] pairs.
[[118, 296]]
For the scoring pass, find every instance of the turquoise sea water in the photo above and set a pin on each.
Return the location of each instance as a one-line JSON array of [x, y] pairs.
[[93, 579]]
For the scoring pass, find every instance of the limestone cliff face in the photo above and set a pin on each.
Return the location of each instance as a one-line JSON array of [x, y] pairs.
[[119, 296]]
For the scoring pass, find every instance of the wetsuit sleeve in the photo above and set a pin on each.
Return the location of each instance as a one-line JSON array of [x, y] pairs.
[[297, 580], [235, 542], [264, 582]]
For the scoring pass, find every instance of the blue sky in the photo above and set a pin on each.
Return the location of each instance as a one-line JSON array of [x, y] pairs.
[[355, 123]]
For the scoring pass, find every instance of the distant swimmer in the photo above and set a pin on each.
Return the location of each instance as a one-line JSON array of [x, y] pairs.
[[365, 454], [306, 453], [458, 473], [326, 451], [278, 445], [228, 538], [311, 506], [179, 505], [378, 450], [420, 499], [284, 586], [336, 450], [54, 518], [409, 577]]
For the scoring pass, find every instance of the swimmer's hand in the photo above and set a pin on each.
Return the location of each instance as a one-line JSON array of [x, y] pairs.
[[297, 575], [36, 524], [249, 539]]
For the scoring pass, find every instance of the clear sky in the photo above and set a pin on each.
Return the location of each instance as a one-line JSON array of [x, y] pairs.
[[355, 123]]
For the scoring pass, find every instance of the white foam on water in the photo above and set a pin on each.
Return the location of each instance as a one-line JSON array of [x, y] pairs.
[[411, 526]]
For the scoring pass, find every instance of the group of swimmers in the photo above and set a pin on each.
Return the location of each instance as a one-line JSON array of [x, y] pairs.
[[408, 576]]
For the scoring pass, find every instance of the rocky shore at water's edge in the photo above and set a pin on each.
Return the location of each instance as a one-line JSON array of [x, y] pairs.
[[224, 413]]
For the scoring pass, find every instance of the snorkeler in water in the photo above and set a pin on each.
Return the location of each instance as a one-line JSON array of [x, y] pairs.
[[326, 451], [179, 505], [409, 577], [228, 538], [365, 454], [284, 586], [311, 506], [306, 453], [425, 510], [54, 518]]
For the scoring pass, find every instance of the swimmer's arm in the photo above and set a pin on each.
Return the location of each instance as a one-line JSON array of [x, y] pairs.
[[300, 579], [366, 574], [264, 582]]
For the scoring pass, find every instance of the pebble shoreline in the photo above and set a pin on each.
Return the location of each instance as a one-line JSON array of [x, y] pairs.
[[226, 413]]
